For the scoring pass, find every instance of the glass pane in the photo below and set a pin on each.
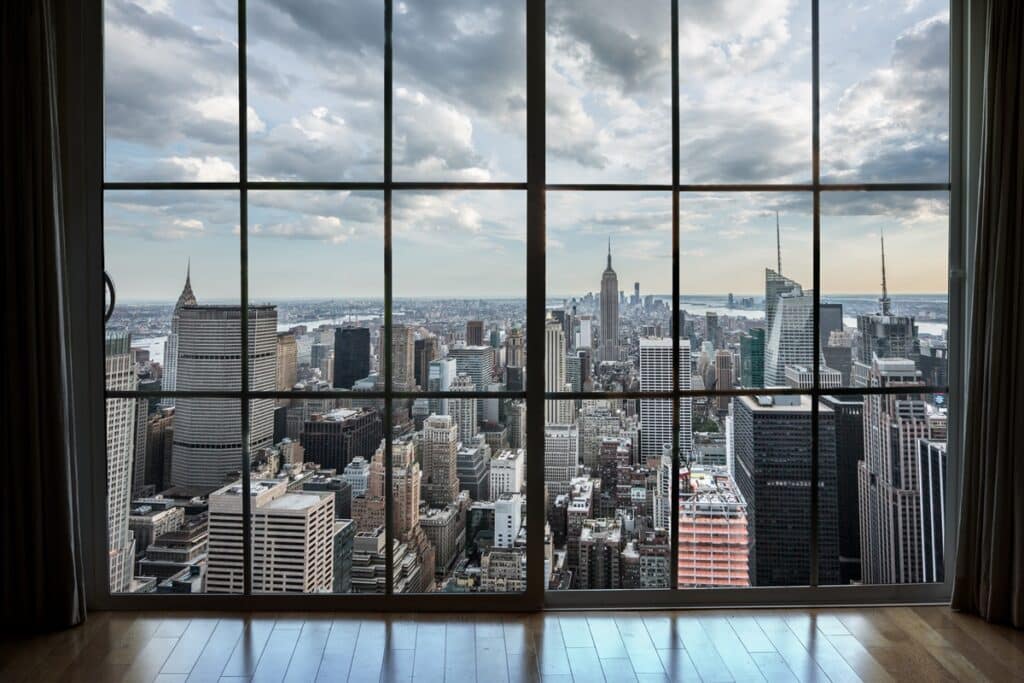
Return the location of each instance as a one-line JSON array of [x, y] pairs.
[[608, 506], [884, 281], [460, 90], [459, 264], [170, 91], [609, 93], [745, 287], [315, 516], [596, 321], [745, 92], [764, 475], [885, 91], [889, 458], [166, 465], [460, 502], [316, 90], [173, 258], [319, 256]]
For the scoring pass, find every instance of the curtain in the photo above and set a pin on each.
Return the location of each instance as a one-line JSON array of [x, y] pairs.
[[41, 570], [990, 559]]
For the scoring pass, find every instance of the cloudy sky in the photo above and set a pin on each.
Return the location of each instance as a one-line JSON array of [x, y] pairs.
[[315, 88]]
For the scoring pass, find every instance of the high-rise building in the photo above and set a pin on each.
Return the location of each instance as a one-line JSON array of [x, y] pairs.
[[287, 361], [121, 425], [515, 350], [351, 356], [292, 539], [888, 476], [555, 412], [503, 570], [713, 535], [515, 415], [884, 334], [561, 457], [427, 349], [775, 285], [333, 439], [473, 468], [507, 472], [440, 454], [508, 519], [609, 311], [403, 359], [849, 418], [830, 319], [773, 451], [656, 414], [187, 298], [597, 420], [441, 373], [464, 410], [357, 474], [475, 333], [931, 487], [600, 554], [752, 358], [329, 480], [207, 431], [791, 337], [712, 332], [802, 377], [159, 447], [724, 374]]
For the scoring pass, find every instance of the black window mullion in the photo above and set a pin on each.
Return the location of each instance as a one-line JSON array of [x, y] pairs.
[[816, 270], [389, 551], [675, 332], [243, 240]]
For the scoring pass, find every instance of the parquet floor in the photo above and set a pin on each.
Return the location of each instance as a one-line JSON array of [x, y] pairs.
[[869, 644]]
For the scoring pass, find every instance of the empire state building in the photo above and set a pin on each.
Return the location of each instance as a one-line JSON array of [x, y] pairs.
[[609, 311]]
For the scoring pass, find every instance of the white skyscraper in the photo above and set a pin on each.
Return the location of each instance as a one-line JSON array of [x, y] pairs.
[[508, 518], [555, 412], [463, 410], [208, 431], [561, 457], [292, 539], [121, 423], [791, 337], [440, 375], [656, 414], [507, 473]]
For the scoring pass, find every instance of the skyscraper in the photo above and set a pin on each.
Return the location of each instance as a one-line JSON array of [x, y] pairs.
[[169, 380], [561, 457], [849, 416], [403, 359], [515, 355], [713, 535], [752, 358], [883, 334], [463, 410], [791, 336], [334, 438], [931, 487], [555, 412], [351, 356], [656, 414], [773, 451], [287, 361], [724, 373], [475, 333], [427, 349], [609, 311], [121, 426], [440, 451], [888, 476]]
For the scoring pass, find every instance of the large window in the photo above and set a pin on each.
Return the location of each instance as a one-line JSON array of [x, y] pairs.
[[323, 220]]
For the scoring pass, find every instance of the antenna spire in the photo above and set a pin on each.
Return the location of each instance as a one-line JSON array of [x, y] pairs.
[[609, 252], [778, 241], [885, 289]]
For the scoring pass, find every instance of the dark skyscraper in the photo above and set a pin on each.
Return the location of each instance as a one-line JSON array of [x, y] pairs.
[[609, 311], [426, 350], [772, 437], [475, 333], [752, 358], [830, 319], [931, 483], [849, 444], [351, 356], [333, 439]]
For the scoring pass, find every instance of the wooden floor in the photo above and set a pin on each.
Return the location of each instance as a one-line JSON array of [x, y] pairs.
[[870, 644]]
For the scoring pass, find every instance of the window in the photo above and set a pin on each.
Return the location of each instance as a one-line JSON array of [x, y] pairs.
[[323, 222]]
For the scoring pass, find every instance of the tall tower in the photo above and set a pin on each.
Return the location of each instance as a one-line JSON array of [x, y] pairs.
[[656, 414], [883, 334], [554, 371], [207, 431], [463, 410], [609, 311], [351, 356], [791, 336], [121, 426], [440, 455], [169, 381]]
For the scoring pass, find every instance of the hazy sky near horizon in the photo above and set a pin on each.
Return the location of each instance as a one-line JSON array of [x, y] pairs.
[[316, 114]]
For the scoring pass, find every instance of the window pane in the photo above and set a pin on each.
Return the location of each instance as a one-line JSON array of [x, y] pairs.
[[609, 508], [890, 460], [460, 501], [885, 91], [170, 90], [460, 90], [319, 256], [173, 259], [609, 286], [167, 532], [745, 287], [745, 92], [890, 305], [609, 92], [459, 264], [316, 90], [768, 458]]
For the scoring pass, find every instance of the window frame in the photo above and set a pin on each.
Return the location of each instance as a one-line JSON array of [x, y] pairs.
[[86, 196]]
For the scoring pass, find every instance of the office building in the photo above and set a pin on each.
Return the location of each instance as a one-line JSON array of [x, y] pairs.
[[121, 421], [473, 468], [656, 414], [849, 445], [333, 439], [287, 362], [752, 358], [561, 457], [475, 333], [351, 356], [439, 458], [507, 473], [463, 411], [609, 350], [508, 519], [713, 534], [931, 487]]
